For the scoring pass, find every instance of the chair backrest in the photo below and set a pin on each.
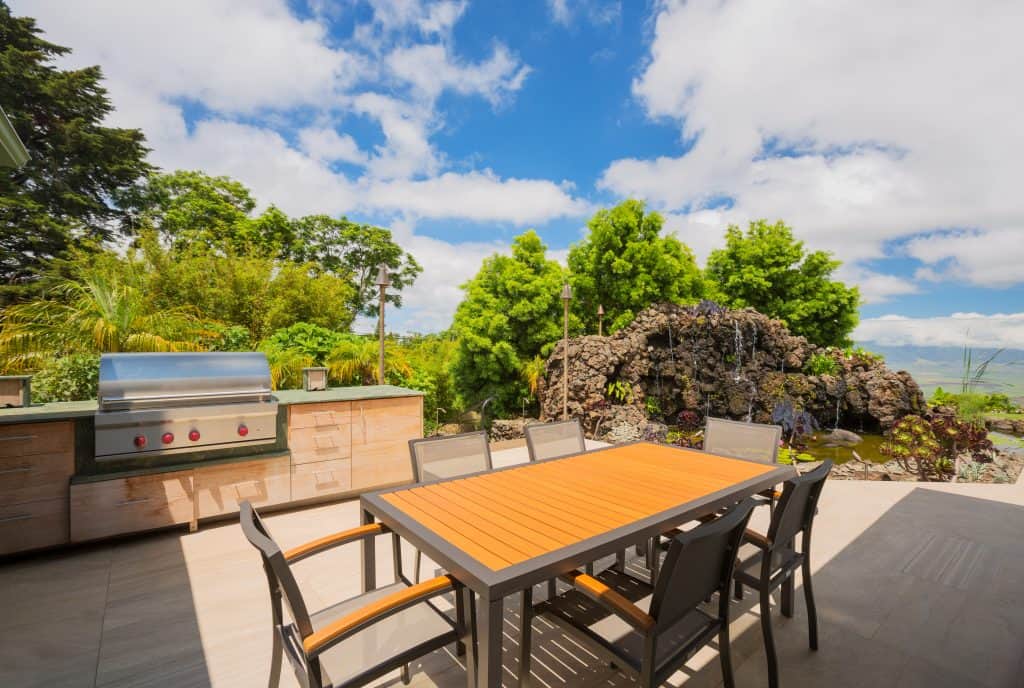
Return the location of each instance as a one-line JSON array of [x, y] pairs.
[[798, 504], [698, 563], [551, 440], [753, 441], [449, 456], [279, 574]]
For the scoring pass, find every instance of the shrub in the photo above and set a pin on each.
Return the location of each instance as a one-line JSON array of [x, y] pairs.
[[307, 339], [230, 338], [913, 445], [688, 421], [70, 378], [620, 391], [821, 364]]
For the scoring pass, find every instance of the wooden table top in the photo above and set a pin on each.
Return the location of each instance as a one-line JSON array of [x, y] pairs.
[[509, 516]]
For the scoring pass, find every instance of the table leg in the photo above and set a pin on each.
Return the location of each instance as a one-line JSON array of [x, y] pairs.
[[368, 554], [525, 637], [489, 628]]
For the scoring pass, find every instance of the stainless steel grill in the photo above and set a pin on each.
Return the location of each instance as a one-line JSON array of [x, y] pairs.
[[154, 404]]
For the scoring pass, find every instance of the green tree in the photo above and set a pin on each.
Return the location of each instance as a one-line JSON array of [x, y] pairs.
[[766, 268], [511, 313], [77, 167], [625, 265], [345, 247], [356, 361]]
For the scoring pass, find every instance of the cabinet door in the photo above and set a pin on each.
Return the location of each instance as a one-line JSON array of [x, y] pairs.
[[219, 489], [27, 439], [381, 430], [34, 477], [125, 505], [33, 525]]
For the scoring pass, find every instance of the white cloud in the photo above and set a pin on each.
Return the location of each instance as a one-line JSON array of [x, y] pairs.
[[876, 287], [327, 145], [859, 122], [595, 11], [431, 69], [560, 11], [959, 329], [985, 258], [429, 18]]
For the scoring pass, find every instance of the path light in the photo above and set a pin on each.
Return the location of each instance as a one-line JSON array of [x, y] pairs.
[[383, 282], [566, 298], [600, 320]]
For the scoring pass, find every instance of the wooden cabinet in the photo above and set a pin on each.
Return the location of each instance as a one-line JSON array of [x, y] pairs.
[[126, 505], [219, 489], [37, 461], [321, 479], [320, 432], [381, 430]]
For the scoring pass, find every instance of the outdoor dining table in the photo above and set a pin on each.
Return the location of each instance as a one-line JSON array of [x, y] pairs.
[[502, 531]]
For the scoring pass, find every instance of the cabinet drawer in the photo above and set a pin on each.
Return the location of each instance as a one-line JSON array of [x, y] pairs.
[[320, 444], [33, 525], [35, 477], [322, 479], [27, 439], [126, 505], [319, 415], [219, 489]]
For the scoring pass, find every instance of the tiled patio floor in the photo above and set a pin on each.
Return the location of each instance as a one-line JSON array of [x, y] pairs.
[[916, 586]]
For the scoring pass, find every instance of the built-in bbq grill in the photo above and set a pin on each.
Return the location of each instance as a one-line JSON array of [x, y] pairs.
[[174, 403]]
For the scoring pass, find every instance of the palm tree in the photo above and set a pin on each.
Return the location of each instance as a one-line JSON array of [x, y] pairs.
[[96, 315], [533, 372], [286, 367], [354, 362]]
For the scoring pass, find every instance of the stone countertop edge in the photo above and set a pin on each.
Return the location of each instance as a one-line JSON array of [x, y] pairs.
[[79, 409]]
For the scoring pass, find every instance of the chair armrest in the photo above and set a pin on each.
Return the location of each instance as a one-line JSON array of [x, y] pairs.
[[756, 539], [338, 630], [614, 602], [328, 541]]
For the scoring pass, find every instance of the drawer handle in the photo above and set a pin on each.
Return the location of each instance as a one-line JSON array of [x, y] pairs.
[[324, 441], [329, 415], [324, 477], [129, 502], [16, 517], [17, 438], [252, 483], [19, 469]]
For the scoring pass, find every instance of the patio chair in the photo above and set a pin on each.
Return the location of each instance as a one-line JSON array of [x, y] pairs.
[[751, 441], [447, 456], [361, 639], [552, 440], [776, 559], [652, 630]]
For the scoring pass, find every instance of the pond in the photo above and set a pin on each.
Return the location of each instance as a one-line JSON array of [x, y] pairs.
[[868, 450]]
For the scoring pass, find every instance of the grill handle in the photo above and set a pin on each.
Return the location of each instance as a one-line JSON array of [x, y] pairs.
[[105, 401]]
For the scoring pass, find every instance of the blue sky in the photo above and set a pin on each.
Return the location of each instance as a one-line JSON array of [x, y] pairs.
[[459, 124]]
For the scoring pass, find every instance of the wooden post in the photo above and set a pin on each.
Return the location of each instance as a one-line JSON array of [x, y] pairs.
[[380, 353]]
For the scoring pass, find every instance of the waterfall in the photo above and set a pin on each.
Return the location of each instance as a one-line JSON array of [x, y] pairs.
[[839, 399], [753, 342], [739, 350], [750, 402], [671, 347]]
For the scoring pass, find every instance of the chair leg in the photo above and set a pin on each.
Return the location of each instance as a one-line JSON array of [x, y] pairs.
[[769, 641], [525, 637], [737, 589], [620, 561], [786, 597], [416, 563], [277, 651], [589, 569], [552, 589], [812, 611], [725, 655], [406, 679]]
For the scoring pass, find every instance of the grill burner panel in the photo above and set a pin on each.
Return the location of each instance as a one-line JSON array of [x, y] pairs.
[[168, 404]]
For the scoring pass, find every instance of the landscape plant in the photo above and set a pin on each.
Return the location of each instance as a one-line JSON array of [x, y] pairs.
[[68, 378], [911, 442]]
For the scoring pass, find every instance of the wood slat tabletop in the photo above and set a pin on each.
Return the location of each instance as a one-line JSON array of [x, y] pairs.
[[510, 516]]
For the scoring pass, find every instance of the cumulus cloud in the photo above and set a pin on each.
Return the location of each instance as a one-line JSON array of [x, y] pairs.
[[431, 69], [327, 145], [595, 11], [859, 122], [959, 329], [985, 258]]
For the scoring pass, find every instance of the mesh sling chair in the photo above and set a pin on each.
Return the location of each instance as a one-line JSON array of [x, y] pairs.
[[769, 561], [360, 639], [652, 631], [552, 440], [447, 456]]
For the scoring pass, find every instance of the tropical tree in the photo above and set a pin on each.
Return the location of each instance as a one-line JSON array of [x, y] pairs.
[[77, 166], [94, 315], [625, 264], [511, 313], [355, 361], [768, 269]]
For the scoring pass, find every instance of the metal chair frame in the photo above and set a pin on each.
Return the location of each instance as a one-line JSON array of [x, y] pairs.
[[532, 448]]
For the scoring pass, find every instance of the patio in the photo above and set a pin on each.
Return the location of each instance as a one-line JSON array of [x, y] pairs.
[[917, 586]]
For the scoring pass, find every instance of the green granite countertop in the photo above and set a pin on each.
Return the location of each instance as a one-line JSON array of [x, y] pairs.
[[78, 409]]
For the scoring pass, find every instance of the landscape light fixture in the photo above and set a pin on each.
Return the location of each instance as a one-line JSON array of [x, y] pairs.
[[566, 298], [383, 282], [600, 320]]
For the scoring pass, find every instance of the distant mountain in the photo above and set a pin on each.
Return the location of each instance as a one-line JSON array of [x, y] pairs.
[[942, 366]]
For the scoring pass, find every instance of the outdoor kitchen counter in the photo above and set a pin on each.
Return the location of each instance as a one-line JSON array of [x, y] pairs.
[[287, 397], [60, 410]]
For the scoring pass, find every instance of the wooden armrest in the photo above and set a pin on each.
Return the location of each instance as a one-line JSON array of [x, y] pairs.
[[756, 539], [328, 541], [375, 611], [614, 601]]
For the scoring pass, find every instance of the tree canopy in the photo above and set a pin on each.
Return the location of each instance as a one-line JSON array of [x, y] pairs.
[[512, 312], [768, 269], [77, 167], [625, 264]]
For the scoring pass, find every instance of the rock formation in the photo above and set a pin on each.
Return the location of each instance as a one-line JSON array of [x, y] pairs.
[[728, 363]]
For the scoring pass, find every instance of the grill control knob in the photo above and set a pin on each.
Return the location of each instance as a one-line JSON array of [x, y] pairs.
[[193, 435], [140, 441], [167, 438], [242, 430]]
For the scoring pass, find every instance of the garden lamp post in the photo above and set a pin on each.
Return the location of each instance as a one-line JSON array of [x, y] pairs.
[[600, 320], [566, 298], [382, 282]]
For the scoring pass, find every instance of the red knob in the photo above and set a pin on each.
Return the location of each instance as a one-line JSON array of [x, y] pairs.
[[140, 441], [242, 430], [193, 435], [167, 438]]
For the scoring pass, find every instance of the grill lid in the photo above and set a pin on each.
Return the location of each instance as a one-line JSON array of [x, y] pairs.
[[136, 381]]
